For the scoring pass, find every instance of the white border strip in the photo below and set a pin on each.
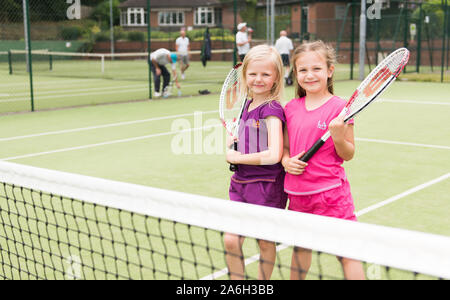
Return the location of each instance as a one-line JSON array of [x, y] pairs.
[[397, 248]]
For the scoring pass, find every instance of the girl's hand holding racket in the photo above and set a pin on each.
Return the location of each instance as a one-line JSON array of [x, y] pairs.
[[233, 156], [338, 128], [294, 165], [230, 141]]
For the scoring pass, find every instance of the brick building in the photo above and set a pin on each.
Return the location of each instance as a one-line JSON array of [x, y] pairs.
[[297, 17]]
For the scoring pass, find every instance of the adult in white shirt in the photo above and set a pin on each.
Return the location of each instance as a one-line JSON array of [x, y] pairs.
[[159, 59], [284, 46], [182, 47], [243, 40]]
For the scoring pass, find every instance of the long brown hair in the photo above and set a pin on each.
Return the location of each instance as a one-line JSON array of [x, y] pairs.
[[320, 47]]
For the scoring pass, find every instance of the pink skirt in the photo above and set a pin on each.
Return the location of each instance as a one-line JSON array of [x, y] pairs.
[[336, 203]]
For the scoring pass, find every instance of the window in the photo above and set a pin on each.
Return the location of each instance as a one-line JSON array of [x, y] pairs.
[[207, 16], [123, 18], [279, 11], [283, 10], [171, 18], [134, 17]]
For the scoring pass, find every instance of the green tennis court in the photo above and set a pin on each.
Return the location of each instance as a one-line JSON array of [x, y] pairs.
[[177, 144]]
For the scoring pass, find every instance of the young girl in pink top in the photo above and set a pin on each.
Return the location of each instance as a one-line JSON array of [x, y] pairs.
[[319, 186]]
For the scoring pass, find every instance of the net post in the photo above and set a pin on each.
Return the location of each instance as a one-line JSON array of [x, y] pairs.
[[50, 61], [103, 64]]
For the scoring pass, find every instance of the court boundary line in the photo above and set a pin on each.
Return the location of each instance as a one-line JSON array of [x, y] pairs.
[[124, 123], [362, 212], [132, 139], [385, 100], [138, 138]]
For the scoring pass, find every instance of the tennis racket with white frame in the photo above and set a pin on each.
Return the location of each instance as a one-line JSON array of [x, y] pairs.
[[375, 83], [231, 105]]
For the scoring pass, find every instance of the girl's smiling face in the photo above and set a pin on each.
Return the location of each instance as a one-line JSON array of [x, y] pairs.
[[313, 72], [261, 76]]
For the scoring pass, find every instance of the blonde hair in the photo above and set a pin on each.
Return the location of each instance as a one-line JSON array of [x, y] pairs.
[[323, 49], [264, 52]]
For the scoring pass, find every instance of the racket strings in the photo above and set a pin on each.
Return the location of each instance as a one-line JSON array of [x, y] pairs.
[[231, 101], [378, 80]]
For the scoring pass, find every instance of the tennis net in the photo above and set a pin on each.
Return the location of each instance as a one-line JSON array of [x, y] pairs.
[[64, 79], [86, 65], [56, 225]]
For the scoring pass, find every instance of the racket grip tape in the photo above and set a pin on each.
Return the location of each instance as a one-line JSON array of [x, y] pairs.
[[233, 167], [307, 156]]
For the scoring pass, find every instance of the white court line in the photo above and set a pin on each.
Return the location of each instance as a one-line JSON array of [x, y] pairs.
[[413, 102], [108, 143], [403, 143], [151, 136], [402, 195], [255, 258], [101, 126]]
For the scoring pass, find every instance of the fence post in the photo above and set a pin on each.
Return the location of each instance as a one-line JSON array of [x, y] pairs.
[[10, 62], [149, 61], [419, 38], [352, 51], [405, 33], [28, 41], [362, 40], [444, 35]]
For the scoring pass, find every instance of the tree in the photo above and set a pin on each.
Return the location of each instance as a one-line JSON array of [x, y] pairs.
[[11, 11], [433, 10], [102, 11]]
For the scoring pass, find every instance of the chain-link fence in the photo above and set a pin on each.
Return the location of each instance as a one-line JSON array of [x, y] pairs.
[[60, 31], [117, 68], [421, 26]]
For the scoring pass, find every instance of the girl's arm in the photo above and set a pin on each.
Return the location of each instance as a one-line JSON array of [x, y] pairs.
[[343, 138], [269, 157], [292, 165]]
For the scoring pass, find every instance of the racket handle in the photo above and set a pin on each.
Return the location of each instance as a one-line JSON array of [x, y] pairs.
[[307, 156], [233, 167]]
